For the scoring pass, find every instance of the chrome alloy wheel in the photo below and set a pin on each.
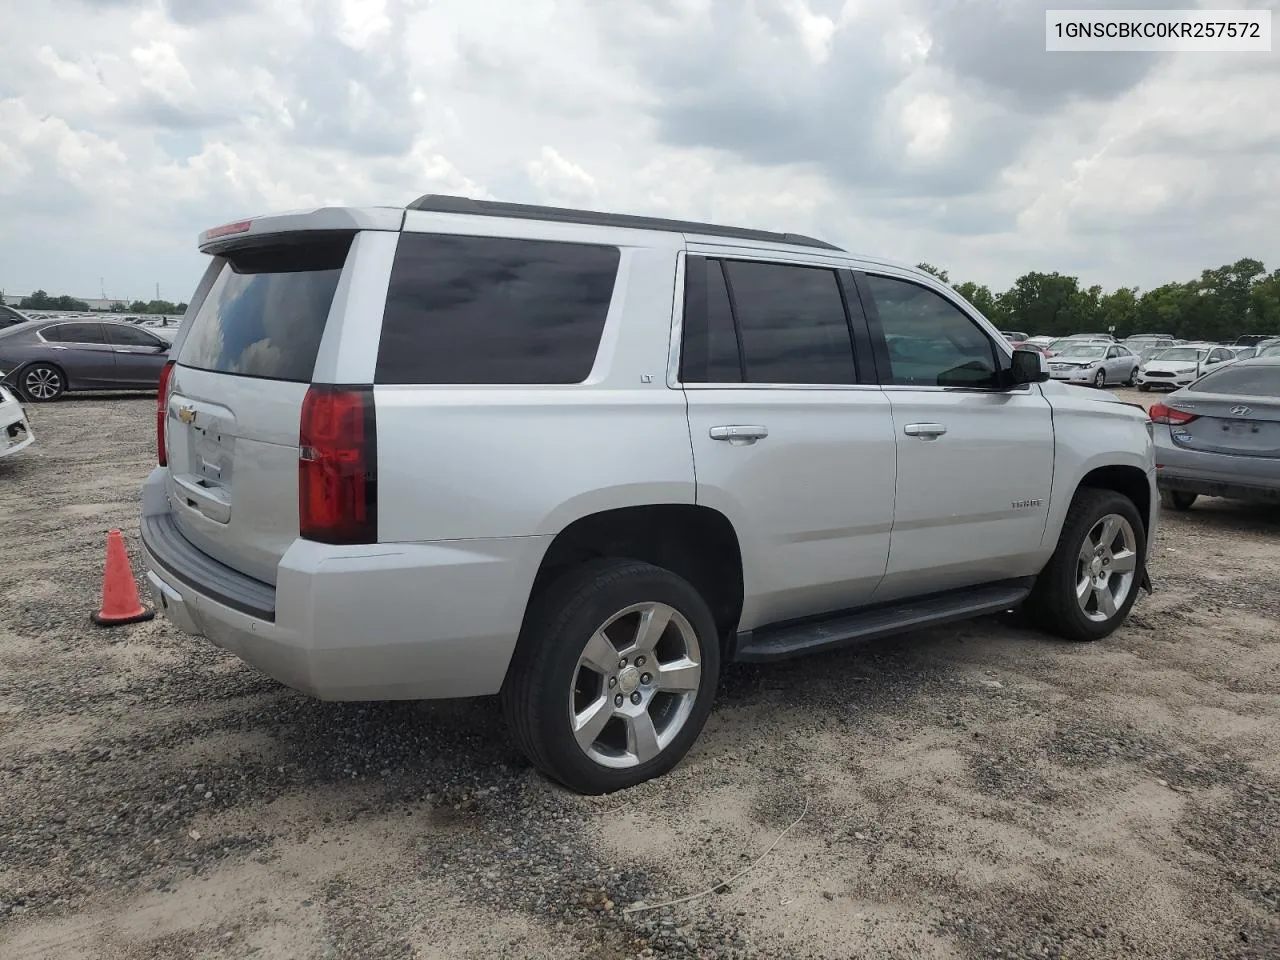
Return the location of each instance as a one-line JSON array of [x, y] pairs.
[[42, 383], [1106, 568], [635, 685]]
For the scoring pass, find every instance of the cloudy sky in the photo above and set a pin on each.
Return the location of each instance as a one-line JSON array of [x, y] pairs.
[[916, 129]]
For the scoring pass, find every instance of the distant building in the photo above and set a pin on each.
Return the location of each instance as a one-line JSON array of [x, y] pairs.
[[14, 299]]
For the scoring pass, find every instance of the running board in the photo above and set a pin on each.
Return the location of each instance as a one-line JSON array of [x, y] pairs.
[[781, 641]]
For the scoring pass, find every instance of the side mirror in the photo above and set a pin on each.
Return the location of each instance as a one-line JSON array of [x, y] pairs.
[[1028, 366]]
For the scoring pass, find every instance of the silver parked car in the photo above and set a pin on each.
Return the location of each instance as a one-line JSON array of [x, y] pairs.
[[1220, 436], [44, 359], [1097, 364], [582, 459]]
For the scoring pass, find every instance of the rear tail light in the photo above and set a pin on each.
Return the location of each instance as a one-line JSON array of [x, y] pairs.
[[338, 466], [162, 413], [1160, 413]]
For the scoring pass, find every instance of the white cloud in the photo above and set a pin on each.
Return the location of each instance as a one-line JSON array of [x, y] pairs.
[[926, 129], [560, 179]]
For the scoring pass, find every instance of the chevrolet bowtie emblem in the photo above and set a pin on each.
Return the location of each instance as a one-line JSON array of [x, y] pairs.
[[187, 414]]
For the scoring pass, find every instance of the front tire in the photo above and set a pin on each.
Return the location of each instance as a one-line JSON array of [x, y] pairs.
[[1092, 580], [1100, 379], [43, 383], [613, 675], [1144, 388], [1178, 499]]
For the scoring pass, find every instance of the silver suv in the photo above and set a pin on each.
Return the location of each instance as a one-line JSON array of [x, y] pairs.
[[583, 460]]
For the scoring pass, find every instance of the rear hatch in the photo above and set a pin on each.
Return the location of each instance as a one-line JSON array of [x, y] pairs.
[[236, 392], [1236, 411]]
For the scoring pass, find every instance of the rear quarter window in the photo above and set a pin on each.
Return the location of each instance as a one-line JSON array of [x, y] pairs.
[[266, 311], [487, 310]]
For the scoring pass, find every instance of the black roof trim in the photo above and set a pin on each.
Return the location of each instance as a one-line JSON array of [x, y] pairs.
[[442, 203]]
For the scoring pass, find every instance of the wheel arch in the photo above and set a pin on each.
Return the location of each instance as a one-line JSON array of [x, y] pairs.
[[695, 542], [1129, 481]]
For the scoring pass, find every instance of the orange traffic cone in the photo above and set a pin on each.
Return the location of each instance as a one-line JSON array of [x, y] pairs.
[[120, 604]]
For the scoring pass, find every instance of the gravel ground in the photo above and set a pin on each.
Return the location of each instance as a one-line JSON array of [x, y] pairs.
[[974, 791]]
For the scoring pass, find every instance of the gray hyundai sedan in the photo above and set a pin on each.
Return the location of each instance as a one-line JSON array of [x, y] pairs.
[[44, 359], [1220, 436]]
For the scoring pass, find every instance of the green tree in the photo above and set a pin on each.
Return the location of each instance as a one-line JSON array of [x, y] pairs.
[[1046, 303], [931, 269], [987, 303], [1119, 309], [40, 300], [1264, 304], [1167, 309]]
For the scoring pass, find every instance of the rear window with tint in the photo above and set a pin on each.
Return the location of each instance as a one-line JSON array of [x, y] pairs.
[[1262, 380], [494, 310], [266, 312]]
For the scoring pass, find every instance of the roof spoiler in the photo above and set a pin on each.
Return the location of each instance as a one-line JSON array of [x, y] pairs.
[[245, 232]]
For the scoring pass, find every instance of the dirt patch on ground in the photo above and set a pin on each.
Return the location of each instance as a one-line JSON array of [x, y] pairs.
[[975, 791]]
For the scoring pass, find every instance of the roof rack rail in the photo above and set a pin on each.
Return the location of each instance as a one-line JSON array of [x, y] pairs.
[[442, 203]]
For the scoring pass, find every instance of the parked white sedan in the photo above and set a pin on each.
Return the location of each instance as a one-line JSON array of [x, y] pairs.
[[15, 432], [1177, 367]]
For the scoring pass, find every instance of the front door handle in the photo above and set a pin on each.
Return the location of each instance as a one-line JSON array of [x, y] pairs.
[[739, 434], [925, 431]]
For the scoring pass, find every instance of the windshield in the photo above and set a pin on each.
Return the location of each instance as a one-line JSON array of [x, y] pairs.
[[1180, 353], [1083, 352]]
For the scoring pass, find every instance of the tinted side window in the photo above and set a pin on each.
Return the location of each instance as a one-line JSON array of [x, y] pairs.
[[709, 351], [267, 310], [931, 343], [494, 310], [792, 323], [120, 335], [74, 333]]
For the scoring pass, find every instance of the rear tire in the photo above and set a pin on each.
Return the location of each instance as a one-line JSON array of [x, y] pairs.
[[593, 637], [1077, 598], [42, 383], [1133, 377], [1178, 499]]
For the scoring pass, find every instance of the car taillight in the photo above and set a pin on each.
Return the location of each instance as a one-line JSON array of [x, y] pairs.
[[338, 466], [162, 413], [1160, 413]]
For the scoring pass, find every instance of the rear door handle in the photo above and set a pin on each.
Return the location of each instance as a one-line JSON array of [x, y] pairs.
[[739, 434], [925, 431]]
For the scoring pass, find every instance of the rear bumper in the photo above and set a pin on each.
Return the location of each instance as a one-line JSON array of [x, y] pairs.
[[1212, 487], [1214, 474], [376, 622]]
